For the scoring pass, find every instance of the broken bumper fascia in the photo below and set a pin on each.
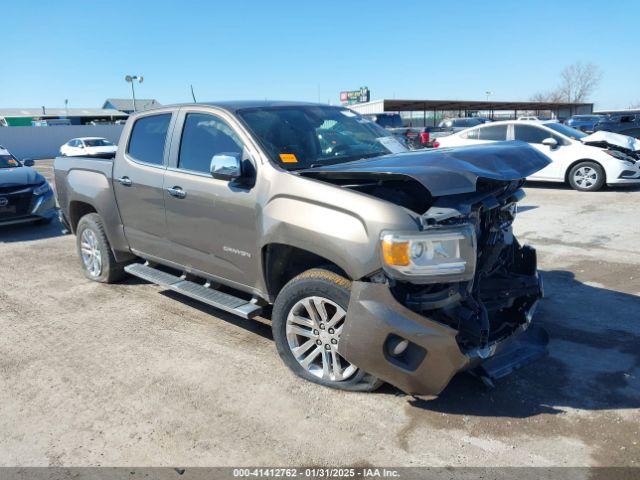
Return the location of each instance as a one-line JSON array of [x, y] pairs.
[[377, 321]]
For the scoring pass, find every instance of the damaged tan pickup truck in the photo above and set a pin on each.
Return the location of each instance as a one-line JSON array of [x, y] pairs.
[[373, 263]]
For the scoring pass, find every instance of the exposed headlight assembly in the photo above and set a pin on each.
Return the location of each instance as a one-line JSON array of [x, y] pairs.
[[435, 255], [42, 188], [620, 156]]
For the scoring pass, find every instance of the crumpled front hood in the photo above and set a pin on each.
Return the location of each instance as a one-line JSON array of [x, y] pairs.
[[446, 171], [13, 177], [616, 139]]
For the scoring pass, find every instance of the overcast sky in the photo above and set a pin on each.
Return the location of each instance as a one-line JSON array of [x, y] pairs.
[[310, 50]]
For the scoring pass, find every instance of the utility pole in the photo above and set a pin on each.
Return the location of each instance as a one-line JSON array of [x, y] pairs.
[[133, 79]]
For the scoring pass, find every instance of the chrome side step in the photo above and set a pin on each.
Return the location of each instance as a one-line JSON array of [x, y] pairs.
[[215, 298]]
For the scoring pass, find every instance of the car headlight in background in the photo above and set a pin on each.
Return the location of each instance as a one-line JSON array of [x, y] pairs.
[[42, 188], [433, 256]]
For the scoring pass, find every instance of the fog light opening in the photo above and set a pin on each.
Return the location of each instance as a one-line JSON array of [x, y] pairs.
[[399, 348], [403, 353]]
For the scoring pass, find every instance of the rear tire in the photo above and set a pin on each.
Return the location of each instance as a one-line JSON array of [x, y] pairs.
[[96, 256], [586, 177], [307, 319]]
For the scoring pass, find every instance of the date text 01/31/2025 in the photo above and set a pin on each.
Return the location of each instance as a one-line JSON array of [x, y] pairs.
[[316, 472]]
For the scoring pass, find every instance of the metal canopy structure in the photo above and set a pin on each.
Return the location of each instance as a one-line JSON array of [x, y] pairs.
[[474, 105], [466, 108]]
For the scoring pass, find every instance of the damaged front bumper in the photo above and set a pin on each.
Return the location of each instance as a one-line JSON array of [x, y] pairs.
[[420, 354]]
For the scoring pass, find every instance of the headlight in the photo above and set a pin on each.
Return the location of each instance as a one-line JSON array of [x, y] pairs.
[[620, 156], [42, 188], [434, 256]]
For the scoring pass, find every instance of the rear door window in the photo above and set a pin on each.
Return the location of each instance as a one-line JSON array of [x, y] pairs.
[[148, 138], [493, 132]]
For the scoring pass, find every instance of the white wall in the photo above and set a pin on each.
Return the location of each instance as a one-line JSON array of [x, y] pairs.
[[377, 106], [45, 142]]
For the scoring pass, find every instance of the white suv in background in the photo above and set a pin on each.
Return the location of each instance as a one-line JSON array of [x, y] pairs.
[[586, 162], [89, 147]]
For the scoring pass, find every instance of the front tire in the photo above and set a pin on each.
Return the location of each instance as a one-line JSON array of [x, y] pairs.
[[96, 256], [586, 177], [308, 317]]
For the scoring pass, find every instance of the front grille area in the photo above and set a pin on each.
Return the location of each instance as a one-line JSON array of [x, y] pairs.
[[17, 205], [14, 188]]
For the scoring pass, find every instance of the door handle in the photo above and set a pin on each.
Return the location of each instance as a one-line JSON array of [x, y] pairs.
[[177, 192], [126, 181]]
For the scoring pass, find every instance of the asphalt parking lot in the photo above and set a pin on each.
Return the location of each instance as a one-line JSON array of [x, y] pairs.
[[124, 374]]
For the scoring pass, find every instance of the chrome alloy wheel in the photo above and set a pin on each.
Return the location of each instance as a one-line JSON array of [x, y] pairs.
[[313, 329], [585, 177], [90, 251]]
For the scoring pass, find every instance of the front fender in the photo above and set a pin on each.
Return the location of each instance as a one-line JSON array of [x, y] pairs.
[[338, 235]]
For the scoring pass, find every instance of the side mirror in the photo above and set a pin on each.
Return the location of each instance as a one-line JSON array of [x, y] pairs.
[[225, 166], [550, 142], [27, 162]]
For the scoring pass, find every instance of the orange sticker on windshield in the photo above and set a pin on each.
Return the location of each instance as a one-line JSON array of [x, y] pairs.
[[288, 158]]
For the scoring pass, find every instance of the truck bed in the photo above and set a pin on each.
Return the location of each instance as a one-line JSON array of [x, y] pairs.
[[87, 182]]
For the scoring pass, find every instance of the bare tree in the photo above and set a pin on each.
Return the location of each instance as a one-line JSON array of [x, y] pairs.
[[552, 96], [578, 81]]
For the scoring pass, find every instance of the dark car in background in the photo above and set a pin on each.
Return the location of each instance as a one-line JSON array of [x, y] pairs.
[[412, 137], [386, 120], [458, 124], [624, 124], [25, 195], [423, 137], [585, 123]]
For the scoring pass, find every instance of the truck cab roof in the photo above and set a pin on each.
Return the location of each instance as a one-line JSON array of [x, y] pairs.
[[236, 105]]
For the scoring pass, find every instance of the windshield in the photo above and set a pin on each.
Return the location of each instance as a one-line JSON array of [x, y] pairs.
[[564, 130], [7, 161], [97, 142], [307, 136]]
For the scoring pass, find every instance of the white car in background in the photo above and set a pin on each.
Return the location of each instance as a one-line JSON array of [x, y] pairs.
[[586, 162], [530, 118], [88, 147]]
